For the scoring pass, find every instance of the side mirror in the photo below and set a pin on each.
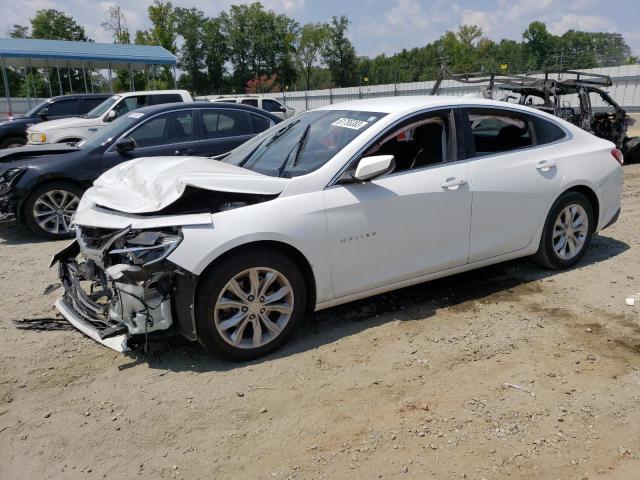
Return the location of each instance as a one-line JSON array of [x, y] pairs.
[[371, 167], [283, 109], [44, 113], [124, 145], [111, 115]]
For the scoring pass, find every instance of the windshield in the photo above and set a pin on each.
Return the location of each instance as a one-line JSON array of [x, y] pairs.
[[109, 132], [302, 144], [34, 110], [102, 107]]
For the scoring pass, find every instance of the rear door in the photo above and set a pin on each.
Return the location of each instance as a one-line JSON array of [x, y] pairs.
[[68, 107], [170, 133], [223, 129], [89, 103], [160, 98], [515, 174]]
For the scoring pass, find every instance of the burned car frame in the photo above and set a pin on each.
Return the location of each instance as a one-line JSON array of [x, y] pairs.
[[548, 91]]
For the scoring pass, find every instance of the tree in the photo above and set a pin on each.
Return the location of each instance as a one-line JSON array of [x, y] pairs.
[[263, 84], [539, 43], [468, 34], [311, 40], [116, 24], [19, 31], [163, 20], [189, 24], [214, 48], [338, 53], [56, 25]]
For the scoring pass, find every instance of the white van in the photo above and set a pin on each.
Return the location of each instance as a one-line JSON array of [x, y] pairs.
[[71, 130]]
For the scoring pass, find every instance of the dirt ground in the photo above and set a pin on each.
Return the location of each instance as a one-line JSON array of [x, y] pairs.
[[411, 384]]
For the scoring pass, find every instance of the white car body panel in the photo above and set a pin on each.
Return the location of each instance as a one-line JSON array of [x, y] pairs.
[[361, 239], [80, 128]]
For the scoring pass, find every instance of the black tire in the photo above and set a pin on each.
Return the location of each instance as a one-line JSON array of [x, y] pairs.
[[29, 204], [212, 284], [13, 142], [547, 255]]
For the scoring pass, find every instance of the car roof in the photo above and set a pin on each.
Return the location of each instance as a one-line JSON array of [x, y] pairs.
[[152, 92], [414, 103], [81, 95], [152, 109]]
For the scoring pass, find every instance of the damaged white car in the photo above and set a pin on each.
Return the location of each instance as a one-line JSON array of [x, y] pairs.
[[333, 205]]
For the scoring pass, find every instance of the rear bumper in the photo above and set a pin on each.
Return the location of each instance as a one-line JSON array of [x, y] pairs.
[[613, 220]]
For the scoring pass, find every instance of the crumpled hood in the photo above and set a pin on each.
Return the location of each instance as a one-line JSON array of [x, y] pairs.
[[65, 123], [150, 184]]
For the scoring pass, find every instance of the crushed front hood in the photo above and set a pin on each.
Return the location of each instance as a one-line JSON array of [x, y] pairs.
[[148, 185]]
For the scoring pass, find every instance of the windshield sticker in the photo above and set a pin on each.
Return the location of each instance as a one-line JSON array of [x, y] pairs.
[[135, 115], [351, 123]]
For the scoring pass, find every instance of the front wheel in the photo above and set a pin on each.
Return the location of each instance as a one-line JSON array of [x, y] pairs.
[[567, 231], [48, 209], [249, 304]]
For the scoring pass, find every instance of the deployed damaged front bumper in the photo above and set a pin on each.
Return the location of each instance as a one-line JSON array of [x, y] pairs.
[[114, 304]]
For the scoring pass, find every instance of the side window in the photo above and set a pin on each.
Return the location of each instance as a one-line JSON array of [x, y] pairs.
[[420, 142], [271, 105], [164, 98], [226, 123], [547, 132], [130, 103], [260, 123], [496, 131], [174, 127], [251, 101], [63, 108], [89, 103]]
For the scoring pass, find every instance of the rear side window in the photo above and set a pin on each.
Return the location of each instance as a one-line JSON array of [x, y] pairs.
[[497, 131], [164, 98], [63, 108], [89, 104], [251, 101], [226, 123], [260, 123], [174, 127], [547, 132]]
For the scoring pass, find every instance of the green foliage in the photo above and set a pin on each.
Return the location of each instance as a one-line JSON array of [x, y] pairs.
[[339, 54], [56, 25], [312, 38]]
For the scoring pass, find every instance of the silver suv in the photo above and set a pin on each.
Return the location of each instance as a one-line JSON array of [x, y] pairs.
[[264, 103]]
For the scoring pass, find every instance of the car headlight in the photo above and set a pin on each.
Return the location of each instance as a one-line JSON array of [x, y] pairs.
[[147, 247], [37, 137], [8, 178]]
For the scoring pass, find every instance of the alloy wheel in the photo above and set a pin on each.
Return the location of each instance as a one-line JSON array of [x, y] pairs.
[[52, 211], [570, 231], [254, 307]]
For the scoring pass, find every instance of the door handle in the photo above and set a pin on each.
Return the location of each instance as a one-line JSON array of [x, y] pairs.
[[453, 183], [184, 151], [93, 129], [546, 165]]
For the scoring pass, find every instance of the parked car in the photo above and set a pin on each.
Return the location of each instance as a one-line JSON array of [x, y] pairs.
[[268, 104], [13, 132], [41, 185], [333, 205], [72, 130]]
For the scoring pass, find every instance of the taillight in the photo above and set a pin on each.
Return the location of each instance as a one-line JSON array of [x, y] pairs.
[[617, 154]]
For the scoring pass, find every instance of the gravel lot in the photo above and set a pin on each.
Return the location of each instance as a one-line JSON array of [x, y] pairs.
[[410, 384]]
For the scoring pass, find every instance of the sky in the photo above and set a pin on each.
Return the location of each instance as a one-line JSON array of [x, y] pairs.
[[378, 26]]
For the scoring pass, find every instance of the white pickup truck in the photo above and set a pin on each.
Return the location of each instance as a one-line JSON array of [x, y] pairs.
[[71, 130]]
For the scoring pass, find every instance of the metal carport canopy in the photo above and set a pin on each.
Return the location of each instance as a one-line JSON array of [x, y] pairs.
[[19, 52]]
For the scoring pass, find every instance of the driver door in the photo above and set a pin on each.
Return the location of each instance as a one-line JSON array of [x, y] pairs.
[[403, 225]]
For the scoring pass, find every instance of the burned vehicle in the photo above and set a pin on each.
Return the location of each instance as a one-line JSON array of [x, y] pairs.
[[577, 97], [333, 205]]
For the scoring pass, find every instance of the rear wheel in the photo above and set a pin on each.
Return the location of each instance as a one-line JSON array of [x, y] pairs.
[[567, 231], [48, 209], [249, 304], [13, 142]]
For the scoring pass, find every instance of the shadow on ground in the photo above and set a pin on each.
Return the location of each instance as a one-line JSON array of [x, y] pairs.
[[419, 302]]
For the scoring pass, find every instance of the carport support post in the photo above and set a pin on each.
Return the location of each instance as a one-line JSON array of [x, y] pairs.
[[84, 77], [59, 78], [110, 79], [69, 73], [131, 84], [6, 86], [146, 72], [90, 77], [26, 84], [33, 82], [48, 80], [175, 79]]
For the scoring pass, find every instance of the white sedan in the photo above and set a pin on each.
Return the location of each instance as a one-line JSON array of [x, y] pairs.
[[336, 204]]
